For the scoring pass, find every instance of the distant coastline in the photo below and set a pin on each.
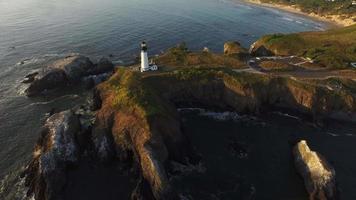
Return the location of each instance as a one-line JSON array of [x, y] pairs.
[[335, 20]]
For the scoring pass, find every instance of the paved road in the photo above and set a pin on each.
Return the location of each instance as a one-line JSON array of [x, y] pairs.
[[254, 67]]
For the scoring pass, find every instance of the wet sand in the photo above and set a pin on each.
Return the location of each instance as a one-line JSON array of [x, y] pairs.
[[334, 20]]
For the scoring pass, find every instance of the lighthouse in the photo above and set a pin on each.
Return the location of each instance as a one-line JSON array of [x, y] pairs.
[[144, 57], [145, 66]]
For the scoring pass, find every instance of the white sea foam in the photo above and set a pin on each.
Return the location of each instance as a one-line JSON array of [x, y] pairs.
[[70, 96], [218, 116], [287, 115], [287, 19], [332, 134]]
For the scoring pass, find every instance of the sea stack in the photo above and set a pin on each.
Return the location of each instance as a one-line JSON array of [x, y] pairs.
[[318, 174], [144, 57]]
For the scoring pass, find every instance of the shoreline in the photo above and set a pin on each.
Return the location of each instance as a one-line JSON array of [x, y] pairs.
[[333, 20]]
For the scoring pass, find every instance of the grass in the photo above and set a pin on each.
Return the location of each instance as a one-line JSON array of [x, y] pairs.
[[275, 66], [131, 94], [182, 57], [334, 48]]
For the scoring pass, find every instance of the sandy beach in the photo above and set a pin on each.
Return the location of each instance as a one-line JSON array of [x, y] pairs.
[[336, 20]]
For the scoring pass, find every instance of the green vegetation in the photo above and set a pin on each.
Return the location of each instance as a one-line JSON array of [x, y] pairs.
[[338, 7], [334, 48], [275, 66], [180, 56], [131, 94]]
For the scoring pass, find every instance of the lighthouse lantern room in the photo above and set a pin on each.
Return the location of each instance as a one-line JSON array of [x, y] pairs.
[[145, 66]]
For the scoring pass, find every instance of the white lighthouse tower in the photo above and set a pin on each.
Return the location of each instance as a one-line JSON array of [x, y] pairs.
[[145, 66], [144, 57]]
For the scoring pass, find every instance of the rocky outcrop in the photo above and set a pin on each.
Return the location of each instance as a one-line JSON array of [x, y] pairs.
[[46, 80], [126, 126], [318, 175], [75, 67], [56, 149], [67, 71], [234, 48], [260, 50], [104, 65]]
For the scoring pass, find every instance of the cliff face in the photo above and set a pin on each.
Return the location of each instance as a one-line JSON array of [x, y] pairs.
[[56, 149], [138, 112], [139, 121]]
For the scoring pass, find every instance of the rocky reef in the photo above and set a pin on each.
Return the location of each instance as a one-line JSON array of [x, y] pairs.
[[319, 176], [64, 72]]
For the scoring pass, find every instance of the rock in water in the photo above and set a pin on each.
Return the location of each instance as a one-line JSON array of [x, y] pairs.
[[75, 67], [56, 149], [61, 73], [318, 174], [46, 80]]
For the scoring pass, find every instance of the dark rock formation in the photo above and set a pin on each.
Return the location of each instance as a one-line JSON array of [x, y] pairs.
[[104, 65], [46, 80], [56, 149], [67, 71], [75, 67], [260, 51], [318, 174], [233, 47]]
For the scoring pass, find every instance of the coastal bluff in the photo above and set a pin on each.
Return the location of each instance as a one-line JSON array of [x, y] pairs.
[[136, 119]]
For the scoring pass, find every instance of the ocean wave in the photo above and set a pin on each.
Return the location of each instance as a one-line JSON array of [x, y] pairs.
[[43, 58], [287, 115], [117, 62], [332, 134], [69, 96], [288, 19], [220, 116], [13, 187]]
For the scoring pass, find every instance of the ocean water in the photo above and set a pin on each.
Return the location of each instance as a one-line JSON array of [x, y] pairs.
[[36, 32], [244, 154]]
